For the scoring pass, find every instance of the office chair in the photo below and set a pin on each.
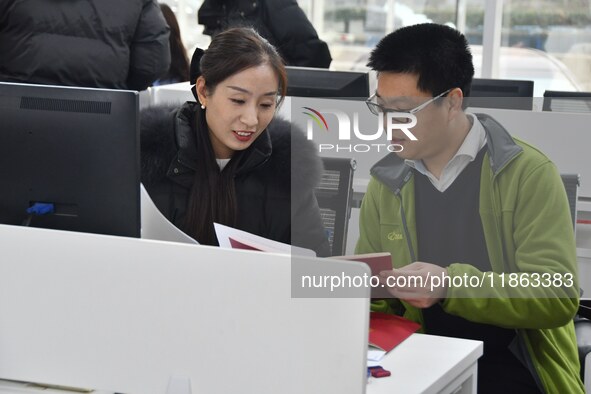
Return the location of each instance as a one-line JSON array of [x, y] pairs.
[[571, 185], [582, 320], [583, 334], [567, 101], [334, 195]]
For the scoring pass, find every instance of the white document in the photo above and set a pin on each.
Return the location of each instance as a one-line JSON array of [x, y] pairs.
[[374, 356], [224, 233], [156, 226]]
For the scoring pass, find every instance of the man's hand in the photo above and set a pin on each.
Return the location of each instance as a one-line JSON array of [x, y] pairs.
[[413, 283]]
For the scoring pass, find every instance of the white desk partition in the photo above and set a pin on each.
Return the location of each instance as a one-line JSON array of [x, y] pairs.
[[176, 93], [126, 315], [564, 137]]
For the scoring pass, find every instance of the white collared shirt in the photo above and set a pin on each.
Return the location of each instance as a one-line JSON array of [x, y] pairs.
[[474, 141]]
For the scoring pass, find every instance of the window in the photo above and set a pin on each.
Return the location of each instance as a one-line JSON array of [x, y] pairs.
[[545, 40]]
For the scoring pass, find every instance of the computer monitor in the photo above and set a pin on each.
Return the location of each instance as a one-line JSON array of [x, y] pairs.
[[319, 82], [567, 101], [501, 93], [75, 148]]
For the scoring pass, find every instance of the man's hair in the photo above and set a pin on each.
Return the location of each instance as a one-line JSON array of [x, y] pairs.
[[439, 55]]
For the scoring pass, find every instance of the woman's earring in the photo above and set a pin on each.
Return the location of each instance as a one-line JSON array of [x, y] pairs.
[[202, 106]]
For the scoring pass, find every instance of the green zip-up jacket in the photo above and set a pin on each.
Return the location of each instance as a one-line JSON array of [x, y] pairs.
[[528, 229]]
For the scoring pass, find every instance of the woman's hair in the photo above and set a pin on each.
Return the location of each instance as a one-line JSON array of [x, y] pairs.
[[179, 62], [235, 50], [213, 194]]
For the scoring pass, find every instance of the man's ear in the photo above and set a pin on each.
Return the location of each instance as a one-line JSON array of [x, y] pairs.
[[455, 98], [201, 90]]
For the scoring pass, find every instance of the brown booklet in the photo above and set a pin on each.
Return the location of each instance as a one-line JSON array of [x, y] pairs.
[[377, 262]]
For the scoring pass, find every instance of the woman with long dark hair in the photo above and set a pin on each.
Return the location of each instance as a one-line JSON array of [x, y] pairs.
[[179, 62], [226, 158]]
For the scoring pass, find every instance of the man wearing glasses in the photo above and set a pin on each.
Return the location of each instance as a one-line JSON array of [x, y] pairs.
[[471, 217]]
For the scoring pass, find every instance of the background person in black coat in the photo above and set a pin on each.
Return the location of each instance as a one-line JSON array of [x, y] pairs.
[[94, 43], [282, 22], [226, 159], [179, 62]]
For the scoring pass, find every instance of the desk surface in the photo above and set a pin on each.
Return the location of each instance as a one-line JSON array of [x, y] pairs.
[[11, 387], [421, 364], [425, 364]]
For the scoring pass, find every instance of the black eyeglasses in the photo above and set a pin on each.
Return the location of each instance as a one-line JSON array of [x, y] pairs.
[[378, 109]]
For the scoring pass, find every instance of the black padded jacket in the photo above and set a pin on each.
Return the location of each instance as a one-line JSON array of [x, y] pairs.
[[274, 182], [93, 43], [282, 22]]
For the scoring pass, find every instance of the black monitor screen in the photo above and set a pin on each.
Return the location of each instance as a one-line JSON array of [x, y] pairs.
[[501, 93], [319, 82], [567, 101], [74, 148]]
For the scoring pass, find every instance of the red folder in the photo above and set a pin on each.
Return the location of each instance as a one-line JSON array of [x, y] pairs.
[[387, 331], [242, 245]]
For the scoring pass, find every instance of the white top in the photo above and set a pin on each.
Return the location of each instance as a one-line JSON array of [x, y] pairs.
[[474, 141], [222, 163]]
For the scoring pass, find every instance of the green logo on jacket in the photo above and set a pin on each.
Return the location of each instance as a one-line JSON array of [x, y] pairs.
[[394, 236]]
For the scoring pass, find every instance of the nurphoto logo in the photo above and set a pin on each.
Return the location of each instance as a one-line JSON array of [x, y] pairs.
[[402, 121]]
